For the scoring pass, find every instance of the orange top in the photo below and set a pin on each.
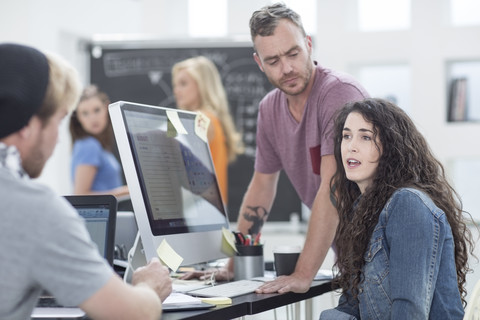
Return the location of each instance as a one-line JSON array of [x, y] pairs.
[[218, 148]]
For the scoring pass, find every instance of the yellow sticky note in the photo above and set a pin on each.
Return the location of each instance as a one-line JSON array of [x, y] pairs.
[[172, 115], [201, 126], [171, 131], [217, 300], [168, 256], [228, 242]]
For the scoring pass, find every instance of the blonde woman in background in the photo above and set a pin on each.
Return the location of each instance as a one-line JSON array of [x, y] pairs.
[[197, 86]]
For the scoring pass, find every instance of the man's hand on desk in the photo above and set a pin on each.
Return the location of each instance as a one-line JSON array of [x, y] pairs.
[[220, 274], [294, 282], [156, 276]]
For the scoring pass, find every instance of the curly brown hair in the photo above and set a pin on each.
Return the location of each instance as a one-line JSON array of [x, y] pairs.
[[405, 161]]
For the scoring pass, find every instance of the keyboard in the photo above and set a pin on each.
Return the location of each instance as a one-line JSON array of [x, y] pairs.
[[229, 289], [48, 302], [48, 308]]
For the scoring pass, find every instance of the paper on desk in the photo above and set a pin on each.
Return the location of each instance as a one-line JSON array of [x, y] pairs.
[[180, 285], [228, 242], [177, 298], [168, 256]]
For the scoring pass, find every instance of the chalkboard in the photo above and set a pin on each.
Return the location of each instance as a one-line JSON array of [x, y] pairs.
[[142, 74]]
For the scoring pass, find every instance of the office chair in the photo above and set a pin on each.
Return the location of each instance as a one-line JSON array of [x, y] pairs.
[[472, 312]]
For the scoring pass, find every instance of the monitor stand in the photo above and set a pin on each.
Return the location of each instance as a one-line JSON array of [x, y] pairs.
[[136, 258]]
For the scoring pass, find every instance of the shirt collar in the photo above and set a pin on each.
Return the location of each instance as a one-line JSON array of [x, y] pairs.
[[10, 160]]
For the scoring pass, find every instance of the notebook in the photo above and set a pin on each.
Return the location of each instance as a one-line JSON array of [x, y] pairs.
[[99, 212]]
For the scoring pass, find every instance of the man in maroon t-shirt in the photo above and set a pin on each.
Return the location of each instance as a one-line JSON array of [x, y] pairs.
[[293, 134]]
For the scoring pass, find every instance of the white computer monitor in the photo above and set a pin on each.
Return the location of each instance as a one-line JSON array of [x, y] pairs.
[[171, 179]]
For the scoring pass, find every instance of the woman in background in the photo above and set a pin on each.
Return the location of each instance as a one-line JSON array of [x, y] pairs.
[[197, 86], [402, 242], [94, 169]]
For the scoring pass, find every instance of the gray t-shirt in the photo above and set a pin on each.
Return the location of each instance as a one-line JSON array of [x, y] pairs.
[[297, 147], [44, 244]]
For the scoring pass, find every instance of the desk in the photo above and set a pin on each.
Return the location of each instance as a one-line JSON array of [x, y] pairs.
[[250, 304]]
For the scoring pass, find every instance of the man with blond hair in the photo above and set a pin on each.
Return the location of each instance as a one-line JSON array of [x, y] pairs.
[[45, 244]]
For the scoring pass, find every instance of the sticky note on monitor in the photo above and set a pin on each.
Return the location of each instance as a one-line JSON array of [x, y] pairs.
[[168, 256], [228, 242], [174, 119], [201, 126]]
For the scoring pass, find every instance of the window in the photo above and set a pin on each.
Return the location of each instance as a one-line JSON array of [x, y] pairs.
[[391, 82], [207, 18], [307, 9], [465, 12], [468, 74], [383, 15]]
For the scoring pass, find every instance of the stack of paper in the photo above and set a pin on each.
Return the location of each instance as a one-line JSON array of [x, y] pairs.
[[177, 298]]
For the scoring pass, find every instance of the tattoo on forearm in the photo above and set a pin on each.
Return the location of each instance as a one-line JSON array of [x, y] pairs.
[[257, 215]]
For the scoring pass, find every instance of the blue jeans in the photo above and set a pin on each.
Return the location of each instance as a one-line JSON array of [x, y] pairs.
[[409, 270]]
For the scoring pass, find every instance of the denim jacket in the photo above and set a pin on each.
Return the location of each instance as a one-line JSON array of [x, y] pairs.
[[410, 270]]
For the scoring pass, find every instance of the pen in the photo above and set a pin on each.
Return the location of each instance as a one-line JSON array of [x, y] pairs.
[[256, 242], [241, 238], [238, 239]]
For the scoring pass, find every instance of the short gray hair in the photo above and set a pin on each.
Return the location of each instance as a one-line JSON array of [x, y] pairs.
[[264, 21]]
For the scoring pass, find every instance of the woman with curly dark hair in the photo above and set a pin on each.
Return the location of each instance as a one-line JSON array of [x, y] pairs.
[[402, 242]]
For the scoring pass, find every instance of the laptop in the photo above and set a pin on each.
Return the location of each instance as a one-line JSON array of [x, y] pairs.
[[100, 213]]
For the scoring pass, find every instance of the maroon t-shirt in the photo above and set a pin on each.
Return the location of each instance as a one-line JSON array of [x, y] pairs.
[[297, 147]]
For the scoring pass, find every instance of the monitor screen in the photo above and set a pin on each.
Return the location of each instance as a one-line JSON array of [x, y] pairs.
[[171, 179], [99, 213], [96, 220]]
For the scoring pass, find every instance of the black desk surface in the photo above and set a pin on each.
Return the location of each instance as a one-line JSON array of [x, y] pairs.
[[251, 304]]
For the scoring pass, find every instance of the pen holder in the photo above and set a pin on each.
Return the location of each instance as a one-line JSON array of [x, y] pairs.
[[248, 262]]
